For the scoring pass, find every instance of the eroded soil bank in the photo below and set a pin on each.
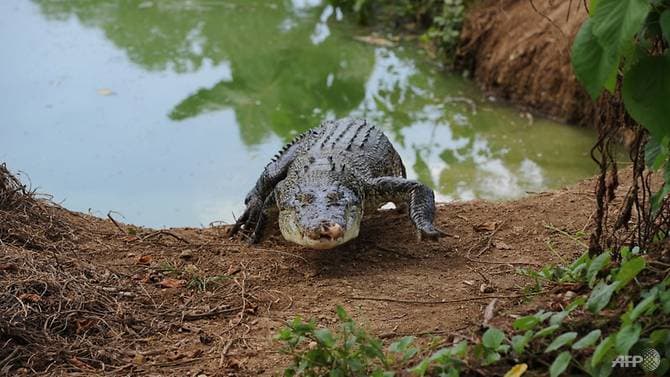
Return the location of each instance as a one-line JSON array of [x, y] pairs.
[[519, 51], [82, 294]]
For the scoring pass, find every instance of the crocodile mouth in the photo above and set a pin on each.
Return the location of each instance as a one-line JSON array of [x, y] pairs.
[[326, 236], [320, 243]]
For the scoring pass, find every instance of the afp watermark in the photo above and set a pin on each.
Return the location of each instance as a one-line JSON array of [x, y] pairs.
[[649, 360]]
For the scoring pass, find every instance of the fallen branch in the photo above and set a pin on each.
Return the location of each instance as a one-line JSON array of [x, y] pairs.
[[500, 262], [190, 316], [164, 233], [436, 302], [490, 239]]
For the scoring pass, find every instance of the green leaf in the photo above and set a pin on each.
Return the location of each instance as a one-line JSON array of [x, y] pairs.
[[491, 357], [583, 260], [492, 338], [558, 317], [341, 313], [592, 6], [381, 373], [588, 340], [600, 296], [561, 340], [602, 349], [665, 301], [657, 198], [421, 368], [646, 89], [665, 24], [325, 337], [560, 364], [643, 306], [660, 337], [579, 301], [615, 22], [655, 152], [630, 268], [526, 323], [546, 331], [459, 349], [519, 342], [402, 346], [596, 265], [593, 65], [603, 368], [627, 337]]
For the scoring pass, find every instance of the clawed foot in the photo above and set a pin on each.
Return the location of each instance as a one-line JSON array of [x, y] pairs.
[[430, 233], [247, 223]]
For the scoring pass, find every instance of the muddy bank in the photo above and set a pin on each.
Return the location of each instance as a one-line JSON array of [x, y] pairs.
[[91, 295], [521, 54]]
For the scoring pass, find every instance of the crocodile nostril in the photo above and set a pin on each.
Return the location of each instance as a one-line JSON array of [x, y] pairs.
[[331, 230]]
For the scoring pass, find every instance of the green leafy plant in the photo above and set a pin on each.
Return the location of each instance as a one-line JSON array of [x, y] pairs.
[[441, 20], [446, 27], [349, 352], [566, 339], [492, 347], [629, 39]]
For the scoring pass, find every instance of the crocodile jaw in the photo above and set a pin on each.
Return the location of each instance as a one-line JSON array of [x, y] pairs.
[[292, 232], [323, 243]]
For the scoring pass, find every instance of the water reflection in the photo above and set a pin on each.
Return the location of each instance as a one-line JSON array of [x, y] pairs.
[[208, 91], [278, 77]]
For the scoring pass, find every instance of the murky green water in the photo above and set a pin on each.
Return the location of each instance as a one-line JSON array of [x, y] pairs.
[[167, 110]]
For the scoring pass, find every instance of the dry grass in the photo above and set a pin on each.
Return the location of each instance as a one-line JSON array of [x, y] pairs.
[[61, 314]]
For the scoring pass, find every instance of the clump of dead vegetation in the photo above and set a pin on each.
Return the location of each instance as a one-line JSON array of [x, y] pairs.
[[26, 220], [56, 309], [60, 313]]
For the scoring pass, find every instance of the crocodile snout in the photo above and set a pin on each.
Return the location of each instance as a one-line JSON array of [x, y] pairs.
[[328, 230]]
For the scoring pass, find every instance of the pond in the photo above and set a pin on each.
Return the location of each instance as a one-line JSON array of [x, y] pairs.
[[166, 111]]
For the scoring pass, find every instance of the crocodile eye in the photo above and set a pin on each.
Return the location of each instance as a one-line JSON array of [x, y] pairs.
[[334, 197], [304, 198]]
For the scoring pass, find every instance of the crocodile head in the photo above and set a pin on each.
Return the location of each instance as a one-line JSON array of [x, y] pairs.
[[319, 216]]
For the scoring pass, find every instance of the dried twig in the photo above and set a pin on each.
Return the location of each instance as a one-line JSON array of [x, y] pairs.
[[164, 233], [489, 312], [436, 302], [109, 216], [502, 262], [490, 239]]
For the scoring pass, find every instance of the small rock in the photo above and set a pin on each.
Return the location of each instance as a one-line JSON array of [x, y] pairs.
[[569, 295], [486, 227], [501, 245], [186, 254], [485, 288]]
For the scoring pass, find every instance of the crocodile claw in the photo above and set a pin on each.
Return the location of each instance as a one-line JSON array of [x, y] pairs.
[[248, 221], [430, 233]]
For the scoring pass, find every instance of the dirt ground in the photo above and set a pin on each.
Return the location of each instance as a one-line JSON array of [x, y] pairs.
[[89, 294], [519, 51]]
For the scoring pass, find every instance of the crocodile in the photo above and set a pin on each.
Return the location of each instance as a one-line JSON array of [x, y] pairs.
[[320, 184]]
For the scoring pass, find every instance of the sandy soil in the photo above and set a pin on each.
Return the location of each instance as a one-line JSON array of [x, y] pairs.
[[136, 313]]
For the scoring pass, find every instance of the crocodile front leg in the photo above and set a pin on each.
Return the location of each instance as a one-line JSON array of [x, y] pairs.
[[267, 215], [273, 173], [419, 198]]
